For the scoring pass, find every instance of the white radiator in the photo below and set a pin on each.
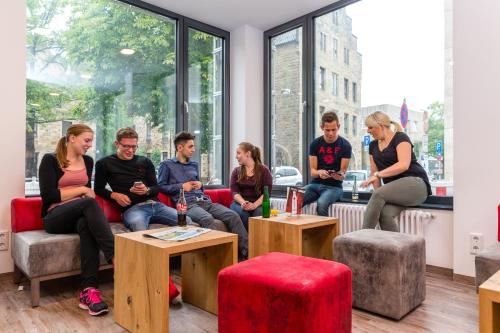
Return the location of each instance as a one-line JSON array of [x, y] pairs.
[[411, 221]]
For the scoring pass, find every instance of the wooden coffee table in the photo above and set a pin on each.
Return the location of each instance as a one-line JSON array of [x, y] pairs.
[[489, 305], [142, 269], [307, 235]]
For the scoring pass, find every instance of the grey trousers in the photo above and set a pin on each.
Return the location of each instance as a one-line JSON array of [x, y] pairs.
[[204, 212], [389, 200]]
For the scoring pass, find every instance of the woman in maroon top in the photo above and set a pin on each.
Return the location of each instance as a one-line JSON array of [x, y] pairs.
[[69, 206], [248, 181]]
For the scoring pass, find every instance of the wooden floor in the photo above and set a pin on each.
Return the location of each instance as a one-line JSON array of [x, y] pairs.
[[449, 307]]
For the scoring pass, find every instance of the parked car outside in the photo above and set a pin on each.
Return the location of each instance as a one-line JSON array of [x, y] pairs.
[[360, 176], [287, 175]]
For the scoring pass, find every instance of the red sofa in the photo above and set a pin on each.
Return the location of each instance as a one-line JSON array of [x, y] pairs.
[[41, 256]]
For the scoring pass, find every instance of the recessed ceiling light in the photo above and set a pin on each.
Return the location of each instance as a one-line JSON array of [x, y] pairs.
[[127, 51], [54, 94], [85, 76]]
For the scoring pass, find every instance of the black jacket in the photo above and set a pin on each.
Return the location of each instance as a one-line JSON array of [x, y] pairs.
[[49, 174]]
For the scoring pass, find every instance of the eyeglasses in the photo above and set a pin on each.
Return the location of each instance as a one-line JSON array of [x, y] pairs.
[[127, 147]]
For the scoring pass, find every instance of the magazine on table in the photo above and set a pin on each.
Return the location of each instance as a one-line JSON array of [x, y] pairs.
[[178, 233]]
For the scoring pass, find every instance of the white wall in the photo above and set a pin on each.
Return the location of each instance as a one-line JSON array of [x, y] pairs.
[[247, 94], [12, 112], [476, 102]]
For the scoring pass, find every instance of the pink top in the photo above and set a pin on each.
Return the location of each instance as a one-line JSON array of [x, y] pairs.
[[71, 178]]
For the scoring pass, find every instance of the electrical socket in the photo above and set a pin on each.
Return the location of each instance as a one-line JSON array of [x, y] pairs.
[[4, 240], [475, 242]]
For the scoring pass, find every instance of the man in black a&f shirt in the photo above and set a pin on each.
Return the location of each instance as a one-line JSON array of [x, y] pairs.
[[133, 182]]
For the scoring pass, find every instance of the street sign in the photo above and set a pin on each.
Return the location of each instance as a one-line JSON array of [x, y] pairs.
[[366, 142], [439, 148]]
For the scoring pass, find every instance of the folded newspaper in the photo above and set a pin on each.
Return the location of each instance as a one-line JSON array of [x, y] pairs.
[[178, 233]]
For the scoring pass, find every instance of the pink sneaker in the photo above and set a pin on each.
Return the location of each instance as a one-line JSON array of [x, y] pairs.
[[90, 299]]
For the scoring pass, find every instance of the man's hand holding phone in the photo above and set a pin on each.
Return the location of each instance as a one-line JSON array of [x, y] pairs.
[[139, 188], [337, 175]]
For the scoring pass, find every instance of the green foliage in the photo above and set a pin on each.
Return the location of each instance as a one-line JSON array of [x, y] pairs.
[[436, 127]]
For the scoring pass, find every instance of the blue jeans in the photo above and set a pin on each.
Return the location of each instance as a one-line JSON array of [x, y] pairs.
[[324, 194], [245, 214], [140, 216]]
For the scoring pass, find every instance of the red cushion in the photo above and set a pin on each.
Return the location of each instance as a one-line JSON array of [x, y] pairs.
[[166, 199], [25, 214], [220, 195], [110, 208], [280, 292]]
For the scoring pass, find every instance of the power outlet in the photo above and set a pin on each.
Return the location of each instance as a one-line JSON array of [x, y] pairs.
[[476, 242], [4, 240]]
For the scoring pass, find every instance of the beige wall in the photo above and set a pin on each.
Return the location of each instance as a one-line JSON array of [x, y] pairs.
[[12, 112]]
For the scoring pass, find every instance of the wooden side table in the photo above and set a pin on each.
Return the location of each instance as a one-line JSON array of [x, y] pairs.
[[307, 235], [489, 305], [141, 301]]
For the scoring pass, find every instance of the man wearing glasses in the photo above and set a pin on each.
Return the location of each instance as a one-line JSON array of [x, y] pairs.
[[132, 179]]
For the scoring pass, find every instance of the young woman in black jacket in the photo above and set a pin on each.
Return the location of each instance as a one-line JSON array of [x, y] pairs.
[[69, 206]]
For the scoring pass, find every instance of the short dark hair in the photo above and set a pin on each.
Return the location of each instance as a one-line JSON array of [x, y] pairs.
[[328, 117], [182, 137], [127, 132]]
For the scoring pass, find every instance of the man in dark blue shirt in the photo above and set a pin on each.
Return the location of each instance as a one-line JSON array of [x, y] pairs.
[[181, 172], [329, 157]]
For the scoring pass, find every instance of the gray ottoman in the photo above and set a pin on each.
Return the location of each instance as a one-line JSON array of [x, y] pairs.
[[388, 270], [487, 263]]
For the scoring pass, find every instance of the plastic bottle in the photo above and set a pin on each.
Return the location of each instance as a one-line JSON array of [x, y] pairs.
[[355, 195]]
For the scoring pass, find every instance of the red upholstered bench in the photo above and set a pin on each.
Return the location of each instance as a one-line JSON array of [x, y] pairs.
[[41, 256], [279, 292]]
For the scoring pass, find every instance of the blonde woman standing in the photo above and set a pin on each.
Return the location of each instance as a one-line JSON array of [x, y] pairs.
[[393, 164]]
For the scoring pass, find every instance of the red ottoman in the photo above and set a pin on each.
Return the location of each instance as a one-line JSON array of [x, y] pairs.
[[279, 292]]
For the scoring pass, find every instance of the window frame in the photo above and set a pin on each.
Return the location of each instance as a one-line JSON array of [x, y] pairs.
[[309, 105], [183, 23]]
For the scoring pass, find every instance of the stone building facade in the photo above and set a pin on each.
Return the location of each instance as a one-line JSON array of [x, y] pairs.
[[337, 87]]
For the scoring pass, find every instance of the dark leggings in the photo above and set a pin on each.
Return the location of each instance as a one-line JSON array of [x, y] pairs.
[[85, 217]]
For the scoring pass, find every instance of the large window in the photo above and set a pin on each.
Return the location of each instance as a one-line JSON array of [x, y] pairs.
[[391, 63], [286, 122], [111, 65]]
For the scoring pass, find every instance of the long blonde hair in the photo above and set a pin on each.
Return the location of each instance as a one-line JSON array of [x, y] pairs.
[[381, 119], [257, 171], [62, 144]]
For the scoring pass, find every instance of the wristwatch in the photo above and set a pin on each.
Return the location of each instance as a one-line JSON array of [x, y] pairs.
[[148, 192], [376, 174]]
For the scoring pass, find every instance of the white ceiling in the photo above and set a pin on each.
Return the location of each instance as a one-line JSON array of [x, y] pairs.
[[231, 14]]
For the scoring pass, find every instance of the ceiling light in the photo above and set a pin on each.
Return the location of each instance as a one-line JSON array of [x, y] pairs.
[[54, 94], [85, 76], [127, 51]]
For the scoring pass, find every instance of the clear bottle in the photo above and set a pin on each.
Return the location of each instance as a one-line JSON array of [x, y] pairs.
[[355, 195], [181, 210], [266, 203]]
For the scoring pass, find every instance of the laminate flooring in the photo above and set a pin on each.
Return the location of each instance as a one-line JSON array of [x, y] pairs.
[[449, 307]]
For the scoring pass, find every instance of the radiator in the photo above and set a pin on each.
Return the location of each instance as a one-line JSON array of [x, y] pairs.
[[411, 221]]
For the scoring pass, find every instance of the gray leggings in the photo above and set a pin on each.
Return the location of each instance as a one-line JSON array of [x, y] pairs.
[[389, 200]]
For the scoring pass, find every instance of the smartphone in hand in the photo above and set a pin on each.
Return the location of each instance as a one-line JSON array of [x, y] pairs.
[[138, 183]]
